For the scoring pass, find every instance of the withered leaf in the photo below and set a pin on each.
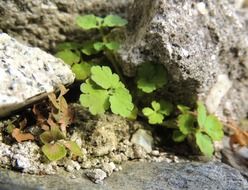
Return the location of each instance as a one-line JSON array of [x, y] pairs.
[[239, 136], [19, 136]]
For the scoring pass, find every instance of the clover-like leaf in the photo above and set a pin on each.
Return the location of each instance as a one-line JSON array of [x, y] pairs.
[[186, 123], [153, 116], [97, 100], [214, 128], [54, 134], [88, 48], [205, 144], [156, 115], [81, 70], [104, 77], [54, 151], [151, 77], [178, 136], [98, 46], [113, 21], [74, 148], [201, 114], [112, 46], [68, 56], [88, 22], [165, 107], [121, 102]]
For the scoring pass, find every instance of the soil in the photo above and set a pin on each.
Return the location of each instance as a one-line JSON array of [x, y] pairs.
[[106, 142]]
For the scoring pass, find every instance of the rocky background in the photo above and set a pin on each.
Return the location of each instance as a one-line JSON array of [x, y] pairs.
[[203, 45]]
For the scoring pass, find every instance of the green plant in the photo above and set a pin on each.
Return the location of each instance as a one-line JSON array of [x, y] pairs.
[[70, 53], [151, 77], [104, 90], [54, 136], [158, 111], [205, 128], [55, 143]]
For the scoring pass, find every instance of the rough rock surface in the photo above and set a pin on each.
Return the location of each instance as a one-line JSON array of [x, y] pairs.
[[27, 74], [44, 23], [203, 44], [147, 176]]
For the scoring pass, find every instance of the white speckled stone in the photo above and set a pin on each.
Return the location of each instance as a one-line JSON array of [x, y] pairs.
[[27, 74]]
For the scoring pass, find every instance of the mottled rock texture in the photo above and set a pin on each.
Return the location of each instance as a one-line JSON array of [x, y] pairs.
[[204, 46], [143, 176], [27, 74], [43, 23]]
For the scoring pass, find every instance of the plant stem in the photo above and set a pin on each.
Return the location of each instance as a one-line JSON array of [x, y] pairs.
[[111, 58]]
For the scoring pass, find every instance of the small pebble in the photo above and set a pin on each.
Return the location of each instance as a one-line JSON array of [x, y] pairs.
[[96, 175]]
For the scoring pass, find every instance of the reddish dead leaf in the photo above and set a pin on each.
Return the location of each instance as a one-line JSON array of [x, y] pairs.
[[239, 136], [19, 136]]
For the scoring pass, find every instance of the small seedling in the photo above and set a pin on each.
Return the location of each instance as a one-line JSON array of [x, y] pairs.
[[70, 53], [205, 128], [158, 111], [104, 90], [55, 143]]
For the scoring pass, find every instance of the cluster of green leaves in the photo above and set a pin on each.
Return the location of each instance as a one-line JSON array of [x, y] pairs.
[[104, 90], [71, 53], [158, 111], [205, 128], [55, 144], [54, 137]]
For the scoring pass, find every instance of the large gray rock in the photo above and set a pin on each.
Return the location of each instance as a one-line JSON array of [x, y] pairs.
[[43, 23], [204, 46], [27, 74], [144, 176]]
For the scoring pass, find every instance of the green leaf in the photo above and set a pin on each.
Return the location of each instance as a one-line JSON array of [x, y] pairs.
[[183, 109], [73, 147], [186, 123], [121, 102], [155, 105], [201, 114], [88, 22], [88, 48], [165, 107], [68, 45], [178, 136], [205, 144], [113, 21], [46, 137], [153, 116], [134, 113], [112, 46], [214, 128], [98, 46], [97, 100], [54, 134], [81, 70], [151, 77], [160, 109], [54, 151], [103, 77], [68, 56]]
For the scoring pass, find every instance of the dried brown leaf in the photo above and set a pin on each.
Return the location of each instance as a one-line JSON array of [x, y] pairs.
[[239, 136], [19, 136]]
